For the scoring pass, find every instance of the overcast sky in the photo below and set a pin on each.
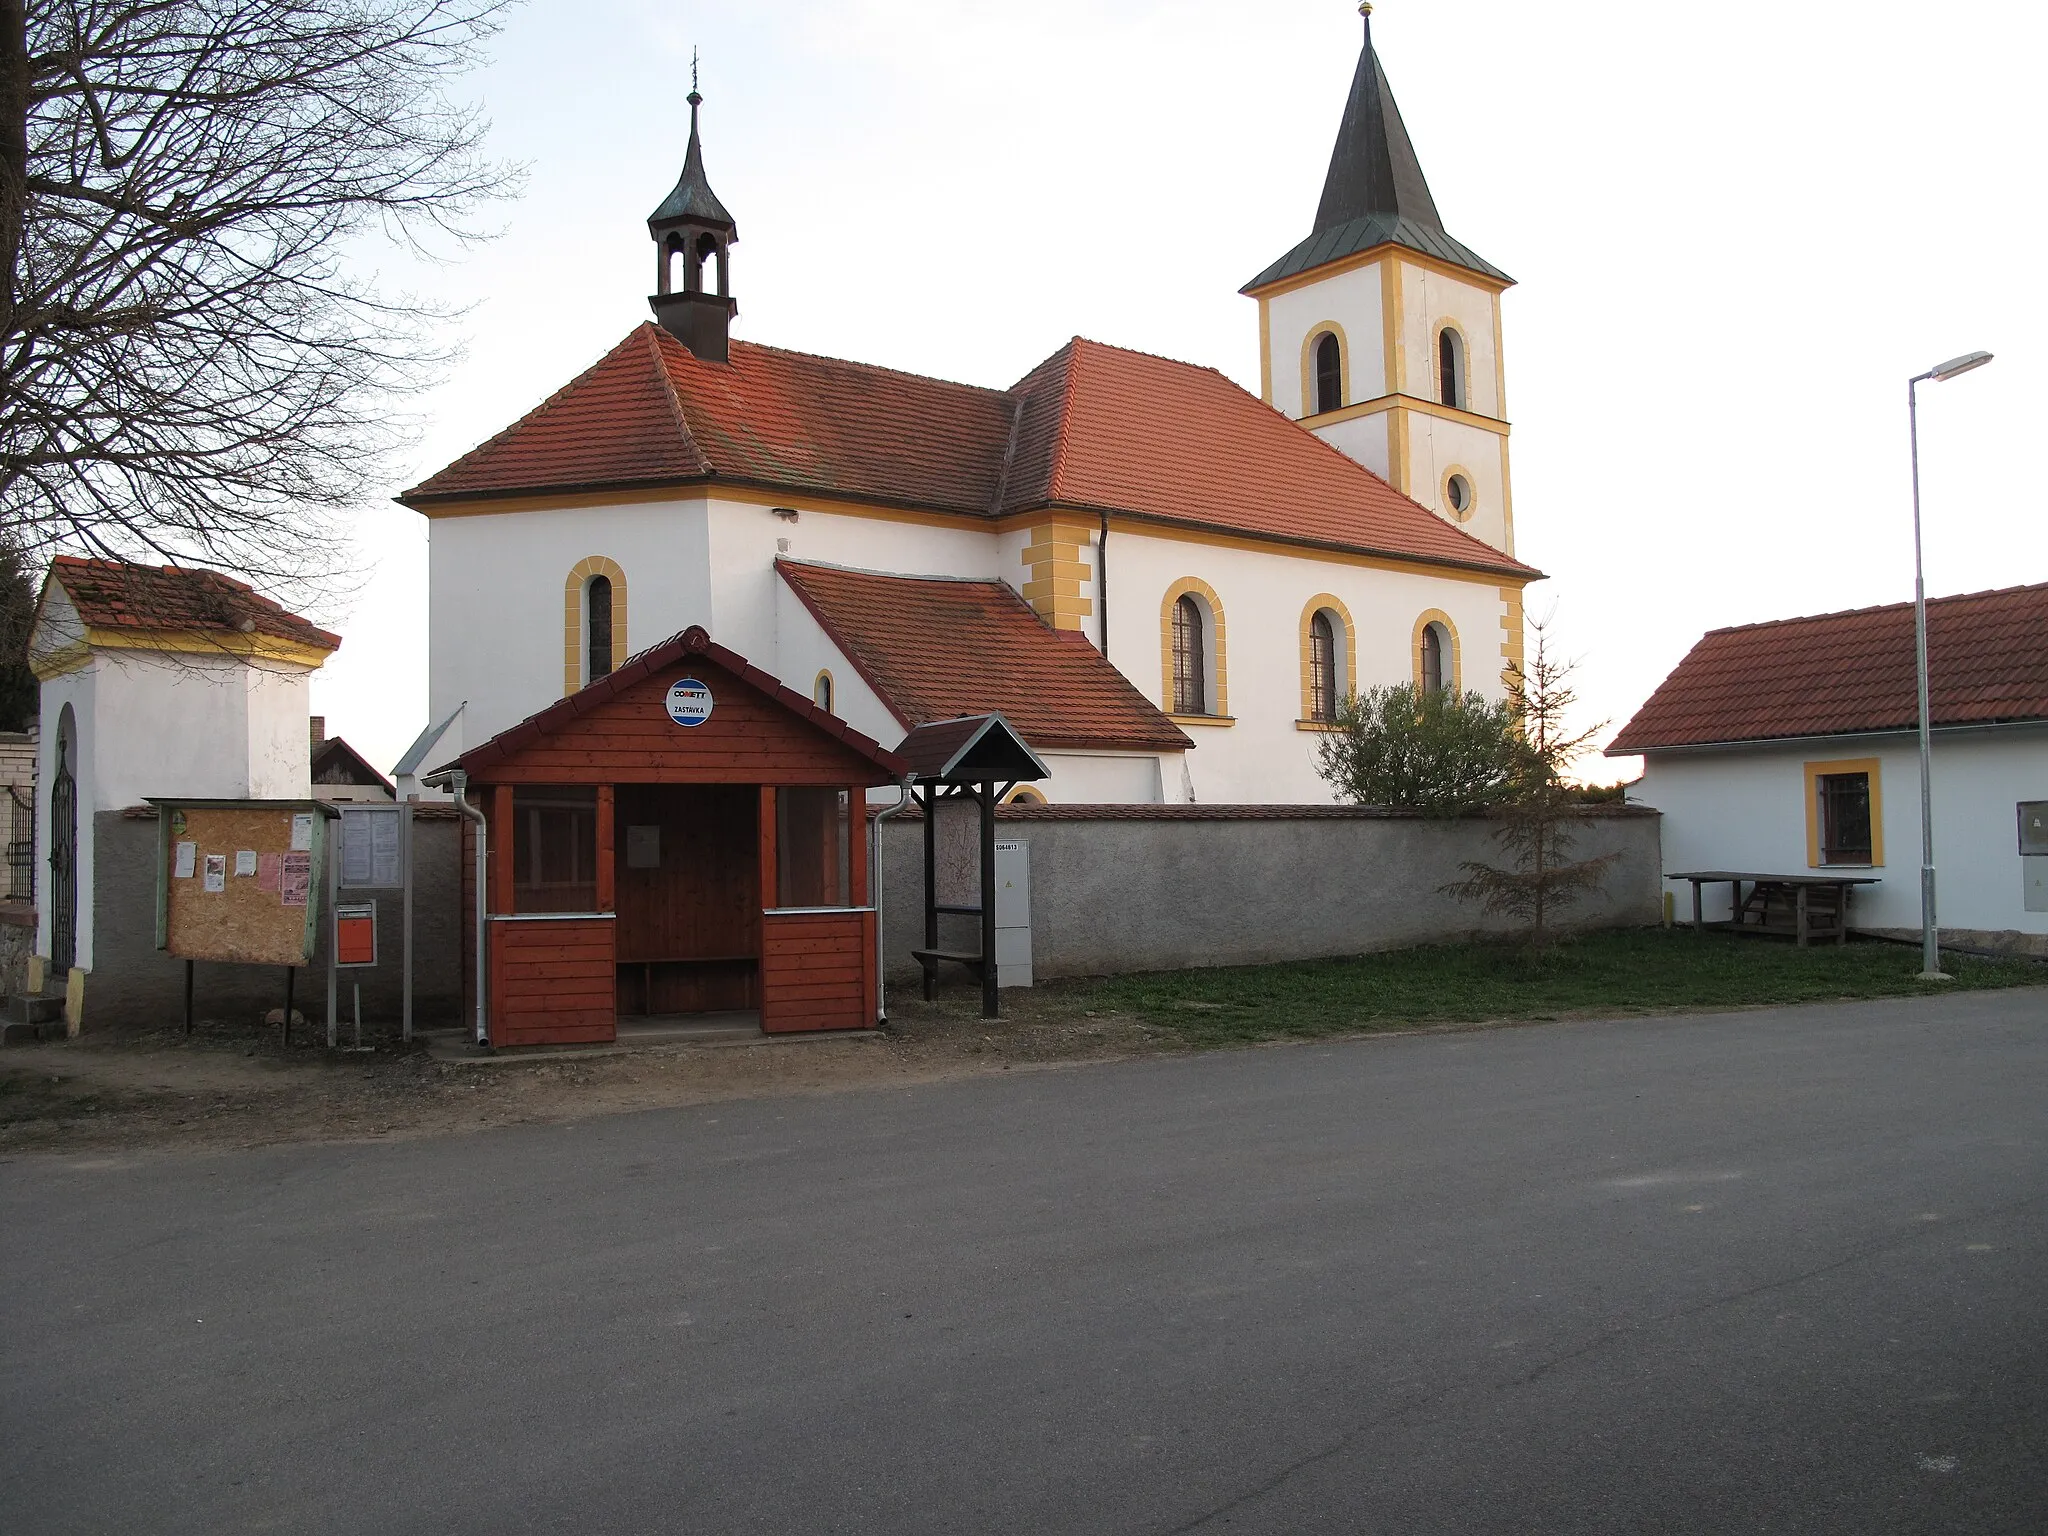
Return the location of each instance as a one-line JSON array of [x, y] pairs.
[[1736, 234]]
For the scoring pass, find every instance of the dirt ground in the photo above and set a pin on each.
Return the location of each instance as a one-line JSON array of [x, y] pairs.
[[236, 1085]]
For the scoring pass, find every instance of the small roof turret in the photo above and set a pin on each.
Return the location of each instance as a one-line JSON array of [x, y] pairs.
[[693, 201]]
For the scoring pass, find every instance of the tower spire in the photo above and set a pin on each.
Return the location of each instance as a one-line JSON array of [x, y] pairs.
[[1374, 169]]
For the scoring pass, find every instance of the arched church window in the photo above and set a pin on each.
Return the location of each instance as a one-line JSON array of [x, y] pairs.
[[1450, 368], [821, 692], [1190, 683], [1329, 374], [597, 627], [1433, 648], [1322, 668]]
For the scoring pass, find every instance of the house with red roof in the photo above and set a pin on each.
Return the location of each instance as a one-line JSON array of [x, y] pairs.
[[1792, 748], [1164, 581]]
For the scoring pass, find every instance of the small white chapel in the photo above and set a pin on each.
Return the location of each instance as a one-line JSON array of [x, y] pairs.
[[1163, 582]]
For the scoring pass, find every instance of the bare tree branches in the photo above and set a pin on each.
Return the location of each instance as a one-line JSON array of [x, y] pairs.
[[188, 368]]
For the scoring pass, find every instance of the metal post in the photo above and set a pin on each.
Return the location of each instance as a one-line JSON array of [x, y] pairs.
[[291, 974], [991, 1004], [405, 874], [188, 997], [931, 889], [1930, 943]]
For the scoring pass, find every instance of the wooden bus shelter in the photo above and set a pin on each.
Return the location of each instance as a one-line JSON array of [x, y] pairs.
[[684, 837]]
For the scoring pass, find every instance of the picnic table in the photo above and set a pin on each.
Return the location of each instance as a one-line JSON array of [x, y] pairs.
[[1803, 906]]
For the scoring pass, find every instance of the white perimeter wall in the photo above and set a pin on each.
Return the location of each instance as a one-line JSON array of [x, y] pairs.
[[1745, 809]]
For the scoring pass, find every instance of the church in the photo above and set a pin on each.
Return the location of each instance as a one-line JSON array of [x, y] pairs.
[[1163, 582]]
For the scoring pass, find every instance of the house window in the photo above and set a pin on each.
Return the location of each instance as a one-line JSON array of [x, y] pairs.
[[597, 627], [1329, 374], [554, 849], [1844, 809], [811, 848], [1190, 683], [1433, 648], [821, 692], [1322, 668], [1450, 368]]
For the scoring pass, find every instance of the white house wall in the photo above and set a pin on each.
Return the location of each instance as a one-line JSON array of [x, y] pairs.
[[76, 689], [278, 701], [1105, 778], [1745, 809], [804, 650], [1363, 439], [1264, 756]]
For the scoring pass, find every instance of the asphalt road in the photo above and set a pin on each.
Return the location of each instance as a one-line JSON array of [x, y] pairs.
[[1759, 1272]]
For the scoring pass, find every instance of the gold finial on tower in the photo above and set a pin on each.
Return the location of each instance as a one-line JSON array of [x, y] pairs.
[[1365, 8]]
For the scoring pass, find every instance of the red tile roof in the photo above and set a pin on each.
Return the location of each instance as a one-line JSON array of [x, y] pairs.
[[1093, 427], [694, 641], [115, 594], [1844, 673], [936, 648]]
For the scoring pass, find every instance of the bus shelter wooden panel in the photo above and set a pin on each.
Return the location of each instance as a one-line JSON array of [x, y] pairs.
[[552, 981], [817, 971]]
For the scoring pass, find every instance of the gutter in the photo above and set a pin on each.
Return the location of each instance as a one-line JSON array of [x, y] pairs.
[[1102, 580], [459, 782], [875, 900]]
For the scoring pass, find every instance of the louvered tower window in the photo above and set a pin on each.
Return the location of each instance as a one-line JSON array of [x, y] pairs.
[[1329, 374]]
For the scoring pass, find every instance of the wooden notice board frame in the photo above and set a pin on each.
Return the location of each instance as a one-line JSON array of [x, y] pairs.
[[247, 922]]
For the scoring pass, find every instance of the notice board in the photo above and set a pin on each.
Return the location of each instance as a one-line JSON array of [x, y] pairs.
[[239, 881]]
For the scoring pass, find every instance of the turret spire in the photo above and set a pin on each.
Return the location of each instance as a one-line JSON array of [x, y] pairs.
[[693, 224]]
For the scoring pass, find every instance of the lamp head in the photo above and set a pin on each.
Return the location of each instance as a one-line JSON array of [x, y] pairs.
[[1956, 366]]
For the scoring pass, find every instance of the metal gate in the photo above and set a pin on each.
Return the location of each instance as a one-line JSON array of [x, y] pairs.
[[63, 867]]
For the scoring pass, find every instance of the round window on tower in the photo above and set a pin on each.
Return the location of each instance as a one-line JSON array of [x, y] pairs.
[[1458, 494]]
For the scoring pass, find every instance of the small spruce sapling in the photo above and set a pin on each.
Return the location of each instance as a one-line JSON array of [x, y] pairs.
[[1536, 828]]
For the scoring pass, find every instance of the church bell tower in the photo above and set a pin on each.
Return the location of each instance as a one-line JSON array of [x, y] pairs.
[[692, 224], [1381, 334]]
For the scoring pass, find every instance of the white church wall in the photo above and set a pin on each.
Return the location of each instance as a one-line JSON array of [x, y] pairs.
[[745, 539], [1438, 448], [1108, 778], [1745, 809], [495, 590], [1351, 300], [1428, 298], [1363, 439], [1263, 755]]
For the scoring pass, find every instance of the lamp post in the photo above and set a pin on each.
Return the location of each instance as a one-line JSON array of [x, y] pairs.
[[1930, 945]]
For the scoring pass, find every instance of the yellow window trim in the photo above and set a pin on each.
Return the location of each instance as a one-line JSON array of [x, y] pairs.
[[831, 689], [1814, 774], [1026, 794], [1219, 651], [1316, 333], [572, 618], [1202, 719], [1471, 485], [1349, 682], [1436, 372], [1438, 616]]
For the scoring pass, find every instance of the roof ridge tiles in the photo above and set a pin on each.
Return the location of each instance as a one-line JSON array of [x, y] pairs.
[[851, 362], [1875, 608], [1069, 384], [868, 570]]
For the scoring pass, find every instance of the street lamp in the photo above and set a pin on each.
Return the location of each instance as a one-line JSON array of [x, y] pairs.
[[1930, 946]]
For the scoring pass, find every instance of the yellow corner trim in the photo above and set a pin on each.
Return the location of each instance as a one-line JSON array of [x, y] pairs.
[[194, 642], [1814, 773]]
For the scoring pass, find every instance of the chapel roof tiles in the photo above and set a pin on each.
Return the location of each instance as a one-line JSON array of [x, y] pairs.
[[937, 648], [1094, 427], [122, 595], [1847, 673]]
